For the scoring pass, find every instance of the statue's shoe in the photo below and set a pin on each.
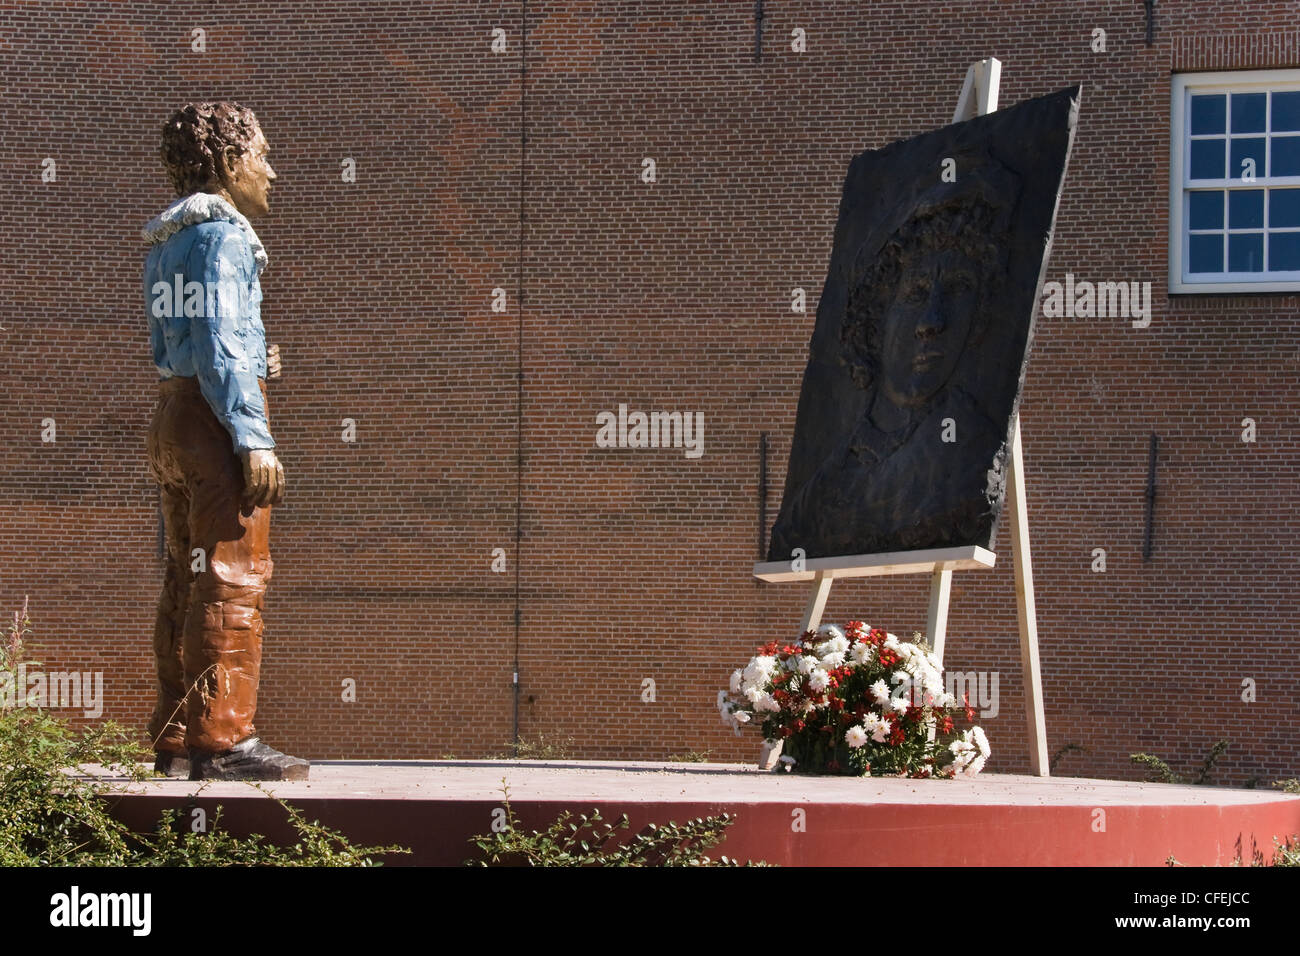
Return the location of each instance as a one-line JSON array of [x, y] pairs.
[[250, 759], [172, 765]]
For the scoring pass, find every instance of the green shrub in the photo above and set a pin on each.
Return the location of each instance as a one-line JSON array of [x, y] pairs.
[[1161, 772], [53, 814], [594, 841], [539, 749]]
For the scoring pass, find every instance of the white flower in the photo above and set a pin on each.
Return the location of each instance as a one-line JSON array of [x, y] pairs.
[[962, 743], [856, 737], [729, 717], [809, 707], [833, 650], [861, 653], [767, 703], [819, 680], [981, 741], [741, 717], [891, 642], [881, 731], [807, 664], [880, 691], [932, 681], [735, 681], [900, 704], [967, 759], [759, 671], [905, 690], [753, 695], [830, 632]]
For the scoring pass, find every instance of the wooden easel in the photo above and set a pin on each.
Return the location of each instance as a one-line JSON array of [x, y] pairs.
[[979, 95]]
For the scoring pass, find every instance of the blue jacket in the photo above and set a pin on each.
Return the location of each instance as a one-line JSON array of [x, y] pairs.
[[203, 300]]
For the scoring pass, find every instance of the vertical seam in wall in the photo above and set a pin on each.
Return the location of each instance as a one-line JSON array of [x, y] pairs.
[[519, 368]]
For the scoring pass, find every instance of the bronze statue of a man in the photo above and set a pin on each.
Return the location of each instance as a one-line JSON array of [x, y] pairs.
[[210, 446]]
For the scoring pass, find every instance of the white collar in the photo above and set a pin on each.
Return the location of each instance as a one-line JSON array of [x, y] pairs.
[[202, 207]]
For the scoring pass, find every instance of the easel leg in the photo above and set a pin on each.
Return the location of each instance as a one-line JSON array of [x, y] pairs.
[[812, 615], [1027, 612], [770, 752], [936, 621]]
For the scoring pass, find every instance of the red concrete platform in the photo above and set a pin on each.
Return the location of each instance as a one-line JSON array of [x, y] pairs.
[[434, 807]]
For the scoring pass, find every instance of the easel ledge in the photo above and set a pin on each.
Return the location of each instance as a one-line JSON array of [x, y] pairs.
[[871, 565]]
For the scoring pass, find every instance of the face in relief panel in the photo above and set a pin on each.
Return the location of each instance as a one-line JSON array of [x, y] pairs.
[[925, 327]]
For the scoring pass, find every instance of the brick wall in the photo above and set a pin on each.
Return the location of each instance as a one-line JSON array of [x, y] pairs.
[[672, 295]]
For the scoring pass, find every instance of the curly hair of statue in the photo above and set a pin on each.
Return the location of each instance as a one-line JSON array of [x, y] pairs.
[[196, 134]]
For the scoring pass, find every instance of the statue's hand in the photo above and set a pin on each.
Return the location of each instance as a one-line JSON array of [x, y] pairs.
[[263, 477], [273, 361]]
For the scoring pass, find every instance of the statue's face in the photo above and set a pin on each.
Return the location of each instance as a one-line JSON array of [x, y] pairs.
[[249, 177], [924, 331]]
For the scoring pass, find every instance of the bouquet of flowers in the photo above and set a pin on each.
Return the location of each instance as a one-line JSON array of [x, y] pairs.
[[855, 701]]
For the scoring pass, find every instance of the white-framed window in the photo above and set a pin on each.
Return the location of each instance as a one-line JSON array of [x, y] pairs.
[[1234, 214]]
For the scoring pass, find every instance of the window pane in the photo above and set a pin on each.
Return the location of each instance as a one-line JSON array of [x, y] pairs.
[[1285, 158], [1283, 207], [1205, 209], [1286, 111], [1242, 150], [1205, 253], [1246, 252], [1246, 209], [1284, 252], [1207, 159], [1209, 114], [1248, 112]]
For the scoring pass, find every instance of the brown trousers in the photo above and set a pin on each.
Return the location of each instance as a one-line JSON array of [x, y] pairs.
[[208, 633]]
